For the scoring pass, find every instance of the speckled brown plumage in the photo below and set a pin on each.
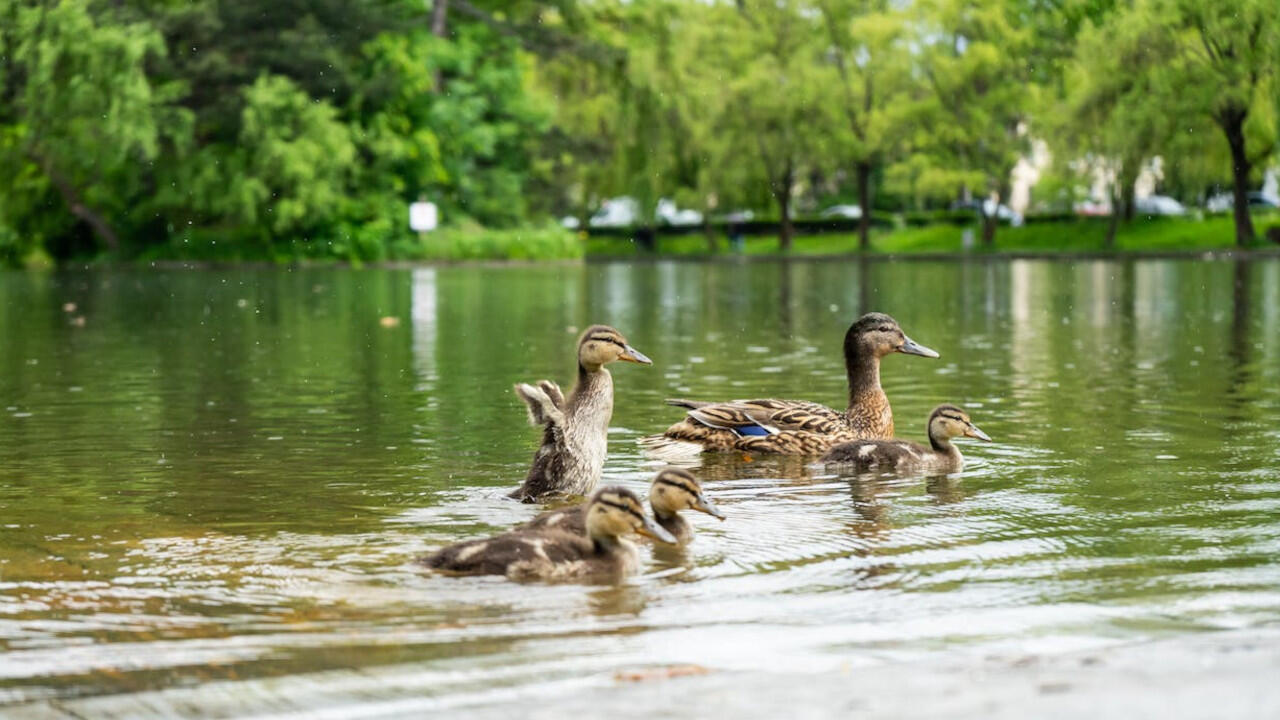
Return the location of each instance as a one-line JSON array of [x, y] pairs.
[[794, 427], [597, 549], [946, 422], [689, 493], [575, 429]]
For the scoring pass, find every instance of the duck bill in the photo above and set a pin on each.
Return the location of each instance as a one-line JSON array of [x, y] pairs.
[[630, 354], [702, 503], [973, 432], [652, 530], [911, 347]]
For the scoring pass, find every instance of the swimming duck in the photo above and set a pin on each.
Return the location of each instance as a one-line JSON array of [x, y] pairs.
[[793, 427], [575, 438], [946, 423], [552, 553], [673, 489]]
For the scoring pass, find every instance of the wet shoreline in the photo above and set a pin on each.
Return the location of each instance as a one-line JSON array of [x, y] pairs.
[[1227, 673]]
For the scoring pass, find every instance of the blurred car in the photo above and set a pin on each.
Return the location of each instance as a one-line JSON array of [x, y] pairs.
[[625, 212], [616, 212], [1092, 208], [738, 216], [1159, 205], [570, 222], [988, 207], [1223, 202], [852, 212], [667, 213]]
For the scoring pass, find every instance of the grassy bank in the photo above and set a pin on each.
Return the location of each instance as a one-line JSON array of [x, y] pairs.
[[1083, 236], [465, 243]]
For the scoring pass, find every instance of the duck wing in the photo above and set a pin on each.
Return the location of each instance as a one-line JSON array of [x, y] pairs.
[[765, 417]]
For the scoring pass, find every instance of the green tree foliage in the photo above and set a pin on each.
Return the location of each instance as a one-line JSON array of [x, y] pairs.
[[1158, 76], [976, 113], [79, 123], [872, 55], [304, 128]]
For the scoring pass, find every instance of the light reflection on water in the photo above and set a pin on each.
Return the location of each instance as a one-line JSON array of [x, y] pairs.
[[225, 475]]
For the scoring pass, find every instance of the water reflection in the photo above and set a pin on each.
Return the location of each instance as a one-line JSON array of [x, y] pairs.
[[226, 474]]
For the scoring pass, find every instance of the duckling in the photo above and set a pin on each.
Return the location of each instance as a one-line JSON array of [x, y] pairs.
[[673, 489], [794, 427], [552, 553], [946, 422], [575, 438]]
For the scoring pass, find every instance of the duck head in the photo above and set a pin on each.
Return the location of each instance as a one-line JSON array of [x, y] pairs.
[[615, 512], [877, 334], [601, 345], [948, 422], [675, 489]]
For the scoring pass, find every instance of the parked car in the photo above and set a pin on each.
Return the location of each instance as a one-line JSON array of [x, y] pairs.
[[851, 212], [625, 212], [616, 212], [1223, 202], [1159, 205], [738, 216], [668, 214], [1092, 208], [987, 207]]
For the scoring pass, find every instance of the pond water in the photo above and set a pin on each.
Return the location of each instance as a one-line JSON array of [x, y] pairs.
[[225, 475]]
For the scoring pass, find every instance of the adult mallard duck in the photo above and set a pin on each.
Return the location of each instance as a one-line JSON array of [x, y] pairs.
[[575, 437], [946, 423], [794, 427], [673, 489], [551, 553]]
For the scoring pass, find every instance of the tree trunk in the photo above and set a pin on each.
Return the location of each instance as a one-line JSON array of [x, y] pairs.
[[439, 17], [782, 193], [1232, 122], [863, 171], [76, 205], [709, 232], [1126, 196], [989, 223], [439, 28], [1113, 223], [784, 226]]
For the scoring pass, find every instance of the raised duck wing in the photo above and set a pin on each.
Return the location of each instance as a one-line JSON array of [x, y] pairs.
[[545, 403], [768, 417]]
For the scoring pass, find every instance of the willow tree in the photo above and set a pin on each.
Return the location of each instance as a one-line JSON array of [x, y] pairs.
[[777, 105], [1219, 60], [79, 119], [869, 49], [973, 58]]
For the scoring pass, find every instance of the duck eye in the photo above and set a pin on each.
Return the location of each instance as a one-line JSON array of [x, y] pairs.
[[884, 328]]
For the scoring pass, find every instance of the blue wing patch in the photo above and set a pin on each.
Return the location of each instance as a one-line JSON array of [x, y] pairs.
[[753, 430]]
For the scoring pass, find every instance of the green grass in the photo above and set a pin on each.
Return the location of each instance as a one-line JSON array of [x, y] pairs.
[[539, 243], [1083, 236]]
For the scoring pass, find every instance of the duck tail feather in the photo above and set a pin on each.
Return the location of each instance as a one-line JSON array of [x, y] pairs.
[[661, 447], [690, 404]]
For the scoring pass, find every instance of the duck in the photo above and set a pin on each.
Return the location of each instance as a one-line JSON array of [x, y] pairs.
[[673, 489], [600, 549], [946, 423], [797, 427], [575, 437]]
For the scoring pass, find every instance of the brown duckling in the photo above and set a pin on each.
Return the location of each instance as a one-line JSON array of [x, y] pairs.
[[673, 489], [575, 437], [794, 427], [946, 423], [552, 553]]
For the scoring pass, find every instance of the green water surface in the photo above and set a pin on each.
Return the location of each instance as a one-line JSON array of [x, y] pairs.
[[225, 475]]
